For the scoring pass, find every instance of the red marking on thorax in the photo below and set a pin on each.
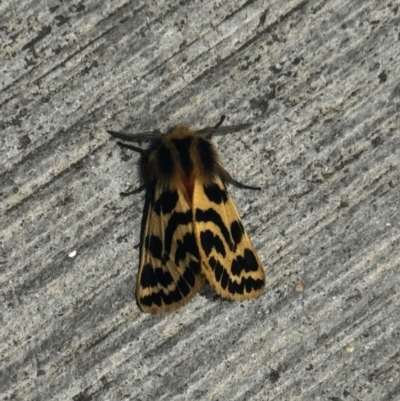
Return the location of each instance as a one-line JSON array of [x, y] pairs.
[[189, 186]]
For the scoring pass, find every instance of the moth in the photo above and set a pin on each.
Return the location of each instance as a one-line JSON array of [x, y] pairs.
[[191, 231]]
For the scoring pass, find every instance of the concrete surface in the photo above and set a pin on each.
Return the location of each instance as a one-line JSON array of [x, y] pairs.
[[320, 82]]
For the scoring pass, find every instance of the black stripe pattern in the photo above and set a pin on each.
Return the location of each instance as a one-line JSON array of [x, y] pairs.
[[221, 246], [173, 249]]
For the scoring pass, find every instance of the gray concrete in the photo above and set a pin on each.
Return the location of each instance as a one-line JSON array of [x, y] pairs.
[[320, 82]]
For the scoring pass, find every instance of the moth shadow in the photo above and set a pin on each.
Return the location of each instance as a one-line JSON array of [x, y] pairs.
[[209, 293]]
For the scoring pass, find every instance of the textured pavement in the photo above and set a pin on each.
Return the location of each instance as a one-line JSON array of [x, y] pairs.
[[320, 82]]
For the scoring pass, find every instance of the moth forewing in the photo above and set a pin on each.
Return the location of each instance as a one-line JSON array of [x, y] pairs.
[[191, 229], [169, 268], [229, 261]]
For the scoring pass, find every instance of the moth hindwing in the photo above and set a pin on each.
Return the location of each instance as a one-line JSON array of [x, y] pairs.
[[191, 230]]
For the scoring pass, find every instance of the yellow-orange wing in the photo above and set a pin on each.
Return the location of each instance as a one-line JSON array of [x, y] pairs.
[[228, 259], [169, 268]]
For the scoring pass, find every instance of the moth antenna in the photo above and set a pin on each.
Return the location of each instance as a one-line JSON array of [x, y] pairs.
[[140, 136], [208, 132]]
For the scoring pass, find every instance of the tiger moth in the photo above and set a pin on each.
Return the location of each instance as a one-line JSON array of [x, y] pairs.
[[191, 231]]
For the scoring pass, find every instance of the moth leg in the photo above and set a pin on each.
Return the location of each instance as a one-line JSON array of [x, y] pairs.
[[131, 147], [220, 121], [135, 191], [209, 131], [141, 151], [241, 185], [228, 178]]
